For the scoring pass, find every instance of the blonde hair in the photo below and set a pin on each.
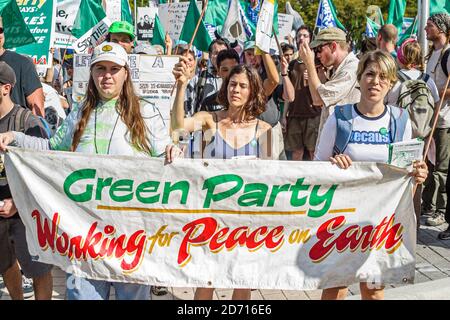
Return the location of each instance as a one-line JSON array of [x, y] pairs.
[[385, 62], [412, 54]]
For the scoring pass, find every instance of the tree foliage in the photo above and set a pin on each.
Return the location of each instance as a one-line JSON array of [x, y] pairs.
[[351, 13]]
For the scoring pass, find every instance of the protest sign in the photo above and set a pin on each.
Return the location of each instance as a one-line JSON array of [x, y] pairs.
[[66, 12], [151, 75], [172, 17], [145, 22], [284, 30], [39, 16], [216, 223]]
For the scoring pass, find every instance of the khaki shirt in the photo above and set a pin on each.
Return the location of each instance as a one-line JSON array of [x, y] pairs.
[[341, 88]]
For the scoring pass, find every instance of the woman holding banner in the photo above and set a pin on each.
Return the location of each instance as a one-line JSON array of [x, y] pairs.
[[111, 120], [372, 125], [234, 132]]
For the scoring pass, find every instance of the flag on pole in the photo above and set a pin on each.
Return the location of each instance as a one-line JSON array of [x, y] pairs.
[[90, 26], [202, 38], [326, 16], [233, 27], [395, 14], [215, 16], [439, 6], [298, 20], [264, 26], [371, 28], [411, 32], [16, 30], [126, 12], [158, 33]]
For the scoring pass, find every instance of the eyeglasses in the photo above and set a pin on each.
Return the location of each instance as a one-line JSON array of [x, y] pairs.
[[1, 30], [318, 49]]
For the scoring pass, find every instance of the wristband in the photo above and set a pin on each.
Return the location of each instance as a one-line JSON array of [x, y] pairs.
[[284, 75]]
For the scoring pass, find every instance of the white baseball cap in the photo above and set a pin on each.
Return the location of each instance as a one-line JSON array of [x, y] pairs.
[[110, 51]]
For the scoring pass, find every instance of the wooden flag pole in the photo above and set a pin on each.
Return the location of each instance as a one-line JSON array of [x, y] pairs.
[[192, 40], [278, 42]]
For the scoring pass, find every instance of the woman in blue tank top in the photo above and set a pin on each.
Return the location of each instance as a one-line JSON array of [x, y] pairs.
[[232, 132]]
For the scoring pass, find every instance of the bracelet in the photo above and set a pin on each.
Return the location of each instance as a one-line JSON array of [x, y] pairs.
[[284, 75]]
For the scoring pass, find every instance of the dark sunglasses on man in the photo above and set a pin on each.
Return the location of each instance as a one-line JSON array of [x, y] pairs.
[[1, 30], [318, 49]]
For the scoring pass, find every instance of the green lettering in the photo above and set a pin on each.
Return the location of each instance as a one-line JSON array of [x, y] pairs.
[[254, 195], [211, 183], [75, 177], [124, 185], [275, 191], [315, 199], [182, 186], [296, 188], [101, 183], [146, 187]]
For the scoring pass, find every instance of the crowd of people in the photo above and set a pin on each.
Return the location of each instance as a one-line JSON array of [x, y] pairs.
[[232, 102]]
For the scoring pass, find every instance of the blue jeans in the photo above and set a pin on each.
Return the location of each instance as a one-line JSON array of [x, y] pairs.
[[87, 289]]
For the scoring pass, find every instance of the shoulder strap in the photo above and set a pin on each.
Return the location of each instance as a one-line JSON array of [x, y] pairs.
[[20, 118], [444, 61], [402, 76], [397, 122], [424, 76], [344, 125]]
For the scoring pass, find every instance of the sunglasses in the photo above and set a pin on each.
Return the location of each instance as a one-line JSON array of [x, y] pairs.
[[318, 49], [1, 30]]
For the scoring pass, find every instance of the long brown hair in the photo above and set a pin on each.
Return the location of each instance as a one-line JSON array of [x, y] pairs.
[[128, 107], [256, 103]]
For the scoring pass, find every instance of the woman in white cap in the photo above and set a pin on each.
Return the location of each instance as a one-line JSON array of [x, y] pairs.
[[111, 120]]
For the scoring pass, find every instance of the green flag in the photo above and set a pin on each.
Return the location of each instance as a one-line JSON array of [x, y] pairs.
[[409, 33], [90, 26], [202, 38], [126, 12], [158, 33], [16, 31], [215, 14], [395, 14], [439, 6]]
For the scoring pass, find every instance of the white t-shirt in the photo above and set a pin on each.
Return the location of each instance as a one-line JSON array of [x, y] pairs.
[[369, 138], [435, 71], [413, 74]]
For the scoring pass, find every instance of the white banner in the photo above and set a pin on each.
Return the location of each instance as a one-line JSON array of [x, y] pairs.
[[216, 223], [151, 75]]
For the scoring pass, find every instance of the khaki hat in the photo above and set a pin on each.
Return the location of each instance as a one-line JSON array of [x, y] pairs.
[[327, 35]]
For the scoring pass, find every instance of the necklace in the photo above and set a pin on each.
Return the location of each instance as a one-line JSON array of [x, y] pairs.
[[95, 132]]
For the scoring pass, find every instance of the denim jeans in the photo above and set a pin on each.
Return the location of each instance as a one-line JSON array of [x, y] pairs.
[[87, 289]]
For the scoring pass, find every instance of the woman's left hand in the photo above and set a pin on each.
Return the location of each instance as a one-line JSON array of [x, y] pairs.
[[420, 171]]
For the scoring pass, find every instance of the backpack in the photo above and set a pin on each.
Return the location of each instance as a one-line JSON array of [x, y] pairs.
[[416, 97], [344, 125], [20, 119]]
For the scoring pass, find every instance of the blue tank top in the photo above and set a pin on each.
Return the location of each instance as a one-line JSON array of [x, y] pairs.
[[218, 148]]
